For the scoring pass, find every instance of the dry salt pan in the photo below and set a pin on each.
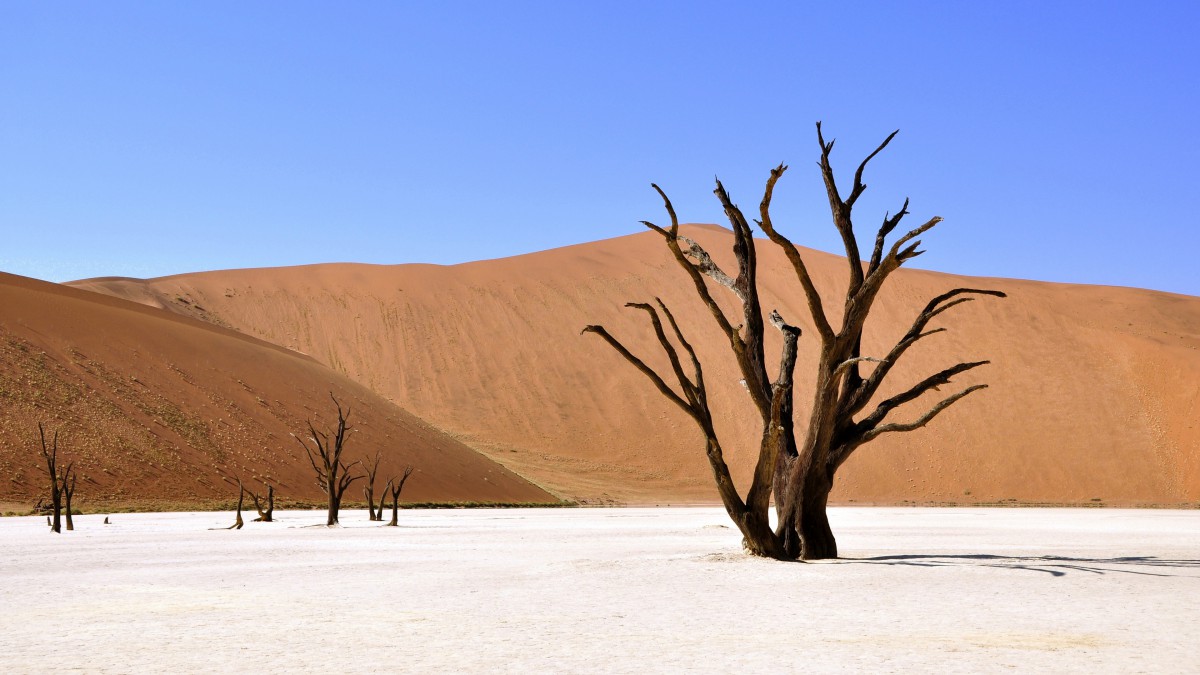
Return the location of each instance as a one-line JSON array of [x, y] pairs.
[[602, 590]]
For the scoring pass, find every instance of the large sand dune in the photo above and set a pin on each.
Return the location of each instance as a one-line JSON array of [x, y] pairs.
[[162, 410], [1095, 392]]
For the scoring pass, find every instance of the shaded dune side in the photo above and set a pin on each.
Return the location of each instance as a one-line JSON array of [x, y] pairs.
[[158, 409], [1094, 390]]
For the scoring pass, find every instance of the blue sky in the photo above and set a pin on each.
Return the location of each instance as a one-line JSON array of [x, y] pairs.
[[1057, 139]]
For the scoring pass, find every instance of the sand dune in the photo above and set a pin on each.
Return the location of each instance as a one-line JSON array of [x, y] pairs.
[[1094, 398], [159, 410]]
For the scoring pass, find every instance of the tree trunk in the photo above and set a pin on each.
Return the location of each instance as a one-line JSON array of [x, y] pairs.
[[237, 524], [816, 537], [334, 504], [369, 495], [395, 522], [758, 538], [56, 501], [67, 506]]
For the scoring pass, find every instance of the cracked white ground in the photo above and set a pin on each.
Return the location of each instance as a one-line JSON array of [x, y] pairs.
[[602, 590]]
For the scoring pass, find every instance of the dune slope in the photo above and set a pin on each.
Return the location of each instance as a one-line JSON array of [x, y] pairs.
[[1094, 397], [158, 409]]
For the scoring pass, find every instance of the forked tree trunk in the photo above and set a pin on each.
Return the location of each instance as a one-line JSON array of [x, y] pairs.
[[799, 475]]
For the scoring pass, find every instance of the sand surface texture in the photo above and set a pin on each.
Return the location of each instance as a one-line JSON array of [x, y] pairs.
[[603, 590], [158, 410], [1095, 391]]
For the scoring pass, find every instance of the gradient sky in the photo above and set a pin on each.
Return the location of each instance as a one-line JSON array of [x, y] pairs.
[[1059, 140]]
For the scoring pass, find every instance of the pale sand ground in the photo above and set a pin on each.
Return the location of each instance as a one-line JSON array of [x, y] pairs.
[[613, 590]]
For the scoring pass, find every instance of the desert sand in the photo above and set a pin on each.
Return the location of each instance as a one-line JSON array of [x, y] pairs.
[[603, 590], [1094, 397], [159, 410]]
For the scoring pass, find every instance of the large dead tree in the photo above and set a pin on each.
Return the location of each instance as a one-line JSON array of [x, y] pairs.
[[333, 475], [62, 483], [797, 473]]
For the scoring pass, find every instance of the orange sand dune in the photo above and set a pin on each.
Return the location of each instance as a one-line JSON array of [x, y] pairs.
[[157, 409], [1095, 392]]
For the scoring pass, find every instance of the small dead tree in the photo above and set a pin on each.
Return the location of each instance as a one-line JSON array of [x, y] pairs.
[[798, 474], [241, 497], [267, 514], [58, 482], [369, 488], [394, 487], [68, 491], [333, 475]]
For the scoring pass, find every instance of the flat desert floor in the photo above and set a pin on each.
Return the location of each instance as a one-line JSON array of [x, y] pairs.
[[603, 590]]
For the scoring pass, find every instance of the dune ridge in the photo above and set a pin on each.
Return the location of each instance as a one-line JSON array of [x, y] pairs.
[[1093, 398]]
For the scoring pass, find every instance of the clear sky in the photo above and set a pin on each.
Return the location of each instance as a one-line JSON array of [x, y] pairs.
[[1059, 140]]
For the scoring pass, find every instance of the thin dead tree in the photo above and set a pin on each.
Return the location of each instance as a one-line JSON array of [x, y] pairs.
[[239, 523], [798, 473], [68, 492], [394, 487], [265, 507], [333, 475], [369, 488], [58, 482]]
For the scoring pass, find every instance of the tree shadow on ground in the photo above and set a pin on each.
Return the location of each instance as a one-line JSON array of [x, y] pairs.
[[1050, 564]]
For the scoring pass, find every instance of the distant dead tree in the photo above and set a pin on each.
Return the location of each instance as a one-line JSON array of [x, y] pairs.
[[369, 488], [239, 523], [62, 484], [68, 491], [267, 514], [799, 475], [394, 487], [333, 475]]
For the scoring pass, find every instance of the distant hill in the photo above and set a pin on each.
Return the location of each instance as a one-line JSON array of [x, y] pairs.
[[1094, 398], [158, 410]]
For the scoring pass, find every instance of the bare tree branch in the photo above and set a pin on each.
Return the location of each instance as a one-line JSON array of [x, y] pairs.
[[646, 370], [923, 419]]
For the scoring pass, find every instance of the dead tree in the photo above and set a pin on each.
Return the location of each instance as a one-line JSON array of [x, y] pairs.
[[239, 523], [797, 473], [369, 489], [68, 491], [333, 475], [265, 515], [394, 488], [57, 481]]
